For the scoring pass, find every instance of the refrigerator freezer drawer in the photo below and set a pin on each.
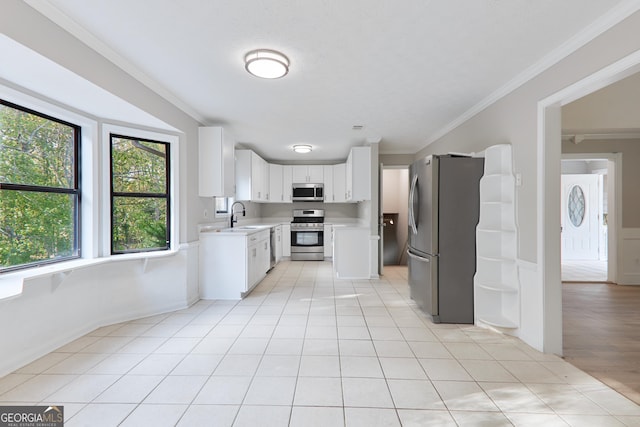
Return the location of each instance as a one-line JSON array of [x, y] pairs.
[[423, 282]]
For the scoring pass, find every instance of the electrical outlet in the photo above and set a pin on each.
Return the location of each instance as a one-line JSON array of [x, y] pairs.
[[205, 213]]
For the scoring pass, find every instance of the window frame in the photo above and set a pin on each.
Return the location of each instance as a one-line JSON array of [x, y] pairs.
[[167, 195], [223, 213], [76, 191]]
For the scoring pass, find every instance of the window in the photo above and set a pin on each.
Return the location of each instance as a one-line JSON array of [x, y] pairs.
[[223, 204], [139, 195], [39, 188]]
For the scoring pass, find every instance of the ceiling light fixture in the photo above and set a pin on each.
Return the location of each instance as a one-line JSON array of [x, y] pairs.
[[267, 64], [302, 148]]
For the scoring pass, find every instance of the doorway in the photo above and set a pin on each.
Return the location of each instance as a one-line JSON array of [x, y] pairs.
[[395, 205], [548, 172], [586, 203]]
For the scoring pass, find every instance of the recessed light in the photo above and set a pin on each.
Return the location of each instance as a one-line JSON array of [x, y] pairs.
[[302, 148], [266, 63]]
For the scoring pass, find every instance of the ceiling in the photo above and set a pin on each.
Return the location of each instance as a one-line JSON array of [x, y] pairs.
[[402, 70]]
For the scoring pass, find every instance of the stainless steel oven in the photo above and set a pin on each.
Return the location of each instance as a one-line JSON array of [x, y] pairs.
[[307, 235]]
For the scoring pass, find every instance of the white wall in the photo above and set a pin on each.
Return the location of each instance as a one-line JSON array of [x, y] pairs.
[[56, 308], [613, 108]]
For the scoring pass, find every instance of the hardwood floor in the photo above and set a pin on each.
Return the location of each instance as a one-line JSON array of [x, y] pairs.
[[601, 331]]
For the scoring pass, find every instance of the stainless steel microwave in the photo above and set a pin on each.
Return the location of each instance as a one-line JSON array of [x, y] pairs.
[[306, 192]]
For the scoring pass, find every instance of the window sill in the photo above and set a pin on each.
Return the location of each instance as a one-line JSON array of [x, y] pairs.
[[11, 284]]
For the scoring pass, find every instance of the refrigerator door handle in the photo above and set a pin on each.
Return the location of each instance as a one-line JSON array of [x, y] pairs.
[[416, 257], [412, 215]]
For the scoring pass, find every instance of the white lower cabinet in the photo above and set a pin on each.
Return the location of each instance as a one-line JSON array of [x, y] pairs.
[[286, 240], [231, 265], [328, 240], [278, 247], [254, 260], [351, 252]]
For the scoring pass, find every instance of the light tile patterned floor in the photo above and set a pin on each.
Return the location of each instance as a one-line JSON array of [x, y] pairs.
[[307, 350]]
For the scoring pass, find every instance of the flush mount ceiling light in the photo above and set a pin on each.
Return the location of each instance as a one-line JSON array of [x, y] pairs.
[[267, 64], [302, 148]]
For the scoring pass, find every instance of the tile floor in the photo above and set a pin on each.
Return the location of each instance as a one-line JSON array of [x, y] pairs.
[[307, 350]]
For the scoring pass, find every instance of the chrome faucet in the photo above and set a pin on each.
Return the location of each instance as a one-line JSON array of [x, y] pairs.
[[244, 212]]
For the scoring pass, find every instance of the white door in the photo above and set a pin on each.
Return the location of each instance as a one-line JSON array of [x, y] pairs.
[[580, 216]]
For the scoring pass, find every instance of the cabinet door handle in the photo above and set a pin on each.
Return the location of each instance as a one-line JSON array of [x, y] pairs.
[[419, 258]]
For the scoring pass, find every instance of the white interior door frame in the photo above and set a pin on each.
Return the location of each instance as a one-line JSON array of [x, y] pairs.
[[380, 218], [614, 201], [548, 200]]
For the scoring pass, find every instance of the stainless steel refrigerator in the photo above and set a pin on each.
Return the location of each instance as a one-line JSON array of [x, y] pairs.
[[444, 205]]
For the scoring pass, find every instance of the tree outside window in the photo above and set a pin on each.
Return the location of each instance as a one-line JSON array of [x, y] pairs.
[[39, 188], [139, 195]]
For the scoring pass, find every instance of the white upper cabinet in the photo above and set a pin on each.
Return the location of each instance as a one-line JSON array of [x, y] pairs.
[[329, 197], [339, 183], [265, 183], [358, 174], [216, 164], [252, 177], [316, 173], [308, 173], [287, 183], [275, 183], [259, 181]]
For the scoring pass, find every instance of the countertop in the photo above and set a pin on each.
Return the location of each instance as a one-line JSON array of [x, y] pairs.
[[237, 230], [253, 226]]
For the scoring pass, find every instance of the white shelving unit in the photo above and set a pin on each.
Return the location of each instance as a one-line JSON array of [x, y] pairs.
[[496, 284]]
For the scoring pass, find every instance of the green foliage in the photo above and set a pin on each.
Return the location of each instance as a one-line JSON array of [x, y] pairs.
[[139, 167], [139, 223], [35, 226]]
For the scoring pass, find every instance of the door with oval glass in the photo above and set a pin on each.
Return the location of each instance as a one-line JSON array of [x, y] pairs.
[[580, 215]]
